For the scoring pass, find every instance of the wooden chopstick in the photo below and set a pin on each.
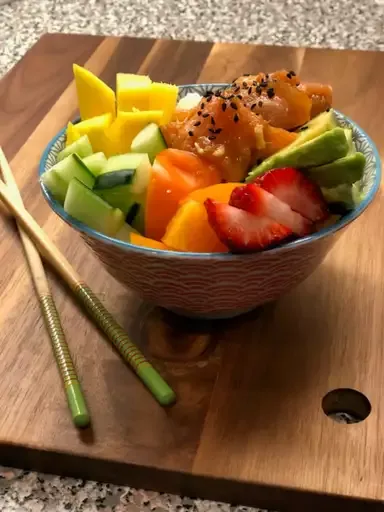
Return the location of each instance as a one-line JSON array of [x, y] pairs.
[[75, 398], [129, 352]]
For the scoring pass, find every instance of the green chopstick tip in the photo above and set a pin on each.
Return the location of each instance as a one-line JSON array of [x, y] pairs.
[[79, 411], [82, 420], [157, 385]]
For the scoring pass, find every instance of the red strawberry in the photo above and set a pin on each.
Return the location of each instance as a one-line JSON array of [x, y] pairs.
[[256, 200], [292, 187], [241, 231]]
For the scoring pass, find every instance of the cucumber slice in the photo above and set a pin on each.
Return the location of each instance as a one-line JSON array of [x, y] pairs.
[[123, 162], [56, 185], [114, 179], [124, 233], [85, 206], [150, 141], [73, 167], [115, 188], [81, 146], [96, 163]]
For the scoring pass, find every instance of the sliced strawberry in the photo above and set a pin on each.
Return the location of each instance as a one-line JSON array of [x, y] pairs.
[[256, 200], [292, 187], [241, 231]]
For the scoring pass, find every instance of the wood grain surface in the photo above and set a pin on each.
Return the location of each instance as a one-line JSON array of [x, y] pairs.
[[249, 425]]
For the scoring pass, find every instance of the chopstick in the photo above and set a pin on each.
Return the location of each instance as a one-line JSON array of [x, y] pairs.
[[75, 398], [101, 316]]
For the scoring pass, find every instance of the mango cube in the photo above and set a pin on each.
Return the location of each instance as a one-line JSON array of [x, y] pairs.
[[72, 134], [95, 98], [163, 97], [132, 91], [95, 128], [125, 128]]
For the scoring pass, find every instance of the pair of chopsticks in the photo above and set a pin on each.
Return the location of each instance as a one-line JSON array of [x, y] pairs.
[[30, 233]]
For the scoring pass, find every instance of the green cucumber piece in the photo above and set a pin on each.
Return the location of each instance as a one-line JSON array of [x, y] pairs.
[[150, 141], [124, 233], [85, 206], [118, 197], [114, 179], [56, 185], [96, 163], [81, 146], [73, 167], [123, 162]]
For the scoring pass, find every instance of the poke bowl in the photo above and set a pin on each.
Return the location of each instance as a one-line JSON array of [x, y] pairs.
[[217, 284]]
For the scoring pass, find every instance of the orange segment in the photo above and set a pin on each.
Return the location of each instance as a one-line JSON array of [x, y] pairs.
[[175, 174], [189, 230], [221, 192], [143, 241]]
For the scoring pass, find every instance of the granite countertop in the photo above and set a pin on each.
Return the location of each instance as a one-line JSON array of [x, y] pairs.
[[342, 24]]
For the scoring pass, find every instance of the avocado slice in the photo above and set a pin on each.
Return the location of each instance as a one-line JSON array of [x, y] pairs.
[[351, 144], [325, 148], [348, 169], [346, 195], [322, 123]]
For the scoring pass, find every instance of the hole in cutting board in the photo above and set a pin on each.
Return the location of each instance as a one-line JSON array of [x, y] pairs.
[[346, 405]]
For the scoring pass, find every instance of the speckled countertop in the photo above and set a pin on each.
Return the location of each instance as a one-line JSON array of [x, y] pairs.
[[341, 24]]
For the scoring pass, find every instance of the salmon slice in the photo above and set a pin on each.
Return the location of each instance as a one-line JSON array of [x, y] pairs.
[[223, 132], [320, 95], [286, 107]]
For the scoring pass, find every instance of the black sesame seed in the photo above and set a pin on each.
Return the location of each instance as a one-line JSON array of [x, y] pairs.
[[328, 109], [250, 90], [247, 74], [258, 89], [289, 75], [263, 83], [239, 96], [236, 118], [219, 130], [267, 76], [233, 105], [292, 73], [199, 113], [212, 121], [245, 85], [209, 99], [230, 97], [224, 107], [211, 130], [303, 128], [211, 137], [208, 93], [202, 106], [255, 83], [253, 106], [190, 133], [270, 92], [298, 83], [218, 94], [260, 104], [198, 123], [237, 89], [205, 115]]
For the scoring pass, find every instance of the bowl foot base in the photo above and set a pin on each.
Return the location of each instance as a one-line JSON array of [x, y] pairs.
[[222, 315]]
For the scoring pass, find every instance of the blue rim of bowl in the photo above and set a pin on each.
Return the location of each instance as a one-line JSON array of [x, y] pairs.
[[322, 233]]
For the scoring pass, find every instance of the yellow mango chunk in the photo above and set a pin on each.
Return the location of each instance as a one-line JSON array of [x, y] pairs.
[[72, 134], [95, 128], [125, 128], [132, 91], [163, 97], [94, 96]]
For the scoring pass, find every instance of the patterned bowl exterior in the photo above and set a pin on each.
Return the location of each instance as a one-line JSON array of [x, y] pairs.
[[218, 285]]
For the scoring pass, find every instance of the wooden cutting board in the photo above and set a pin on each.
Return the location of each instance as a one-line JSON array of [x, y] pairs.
[[249, 425]]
